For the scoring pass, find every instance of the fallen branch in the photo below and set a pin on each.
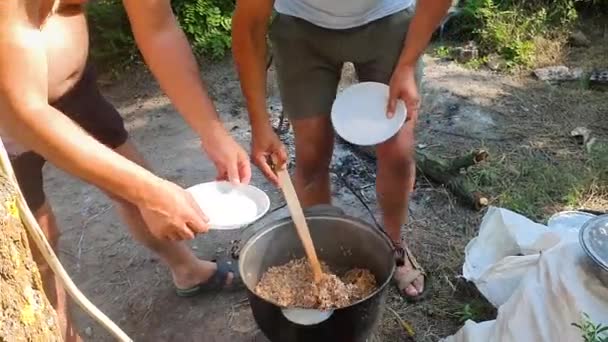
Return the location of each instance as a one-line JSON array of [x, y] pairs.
[[468, 160], [447, 172]]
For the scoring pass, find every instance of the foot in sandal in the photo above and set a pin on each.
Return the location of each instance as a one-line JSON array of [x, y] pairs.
[[214, 276], [409, 275]]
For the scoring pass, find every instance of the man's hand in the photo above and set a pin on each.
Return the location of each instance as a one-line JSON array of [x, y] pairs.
[[426, 19], [265, 146], [402, 86], [172, 214], [230, 159]]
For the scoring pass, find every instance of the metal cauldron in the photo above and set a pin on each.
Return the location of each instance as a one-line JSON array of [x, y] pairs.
[[342, 242]]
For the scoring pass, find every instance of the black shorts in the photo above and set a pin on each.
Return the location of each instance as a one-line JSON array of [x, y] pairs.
[[85, 105]]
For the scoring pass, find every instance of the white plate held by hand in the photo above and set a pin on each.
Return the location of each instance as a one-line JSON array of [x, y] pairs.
[[230, 206], [359, 114]]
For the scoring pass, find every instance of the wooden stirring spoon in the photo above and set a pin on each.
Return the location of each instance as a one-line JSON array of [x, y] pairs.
[[295, 209]]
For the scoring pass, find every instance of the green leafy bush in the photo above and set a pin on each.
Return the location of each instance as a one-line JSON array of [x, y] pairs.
[[510, 28], [207, 24]]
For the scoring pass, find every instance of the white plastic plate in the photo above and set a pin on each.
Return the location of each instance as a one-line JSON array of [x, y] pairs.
[[359, 114], [230, 206]]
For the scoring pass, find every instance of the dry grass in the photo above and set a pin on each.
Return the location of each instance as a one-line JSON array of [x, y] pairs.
[[549, 51], [537, 184], [595, 197], [594, 56], [547, 170]]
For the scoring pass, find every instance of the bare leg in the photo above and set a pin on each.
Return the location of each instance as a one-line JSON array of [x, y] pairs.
[[187, 270], [314, 140], [52, 288], [394, 182]]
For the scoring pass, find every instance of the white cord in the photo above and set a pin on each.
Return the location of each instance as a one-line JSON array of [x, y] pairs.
[[45, 249]]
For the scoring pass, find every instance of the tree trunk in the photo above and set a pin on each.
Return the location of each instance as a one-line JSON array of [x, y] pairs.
[[25, 312]]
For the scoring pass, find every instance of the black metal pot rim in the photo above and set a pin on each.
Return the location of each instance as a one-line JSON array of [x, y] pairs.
[[278, 223]]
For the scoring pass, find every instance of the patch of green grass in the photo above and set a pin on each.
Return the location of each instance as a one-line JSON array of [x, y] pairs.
[[467, 313], [443, 51], [535, 184], [476, 63]]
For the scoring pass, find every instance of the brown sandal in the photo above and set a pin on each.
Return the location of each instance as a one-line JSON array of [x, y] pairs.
[[400, 254]]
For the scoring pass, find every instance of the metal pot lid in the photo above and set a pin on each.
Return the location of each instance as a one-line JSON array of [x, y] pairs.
[[594, 239]]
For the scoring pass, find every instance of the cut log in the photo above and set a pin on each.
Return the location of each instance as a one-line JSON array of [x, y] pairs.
[[470, 159], [26, 312], [447, 172]]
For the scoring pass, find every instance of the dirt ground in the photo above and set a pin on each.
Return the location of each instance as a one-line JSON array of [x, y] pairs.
[[461, 111]]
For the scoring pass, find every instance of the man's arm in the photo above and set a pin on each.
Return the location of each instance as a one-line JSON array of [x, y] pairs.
[[249, 29], [403, 85], [427, 18], [26, 114], [168, 54], [169, 211]]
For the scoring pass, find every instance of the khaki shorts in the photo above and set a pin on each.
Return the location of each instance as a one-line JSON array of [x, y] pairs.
[[309, 58]]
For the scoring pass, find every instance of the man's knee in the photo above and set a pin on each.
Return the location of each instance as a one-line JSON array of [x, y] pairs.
[[397, 153], [313, 163], [46, 220], [314, 146]]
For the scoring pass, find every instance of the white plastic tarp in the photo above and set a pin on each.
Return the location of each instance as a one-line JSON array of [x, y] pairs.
[[537, 276]]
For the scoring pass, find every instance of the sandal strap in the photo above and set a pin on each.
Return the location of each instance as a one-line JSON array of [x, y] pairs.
[[413, 261], [401, 253], [399, 256], [216, 282]]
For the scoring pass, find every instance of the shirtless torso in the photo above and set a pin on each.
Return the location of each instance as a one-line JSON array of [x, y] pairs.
[[64, 28], [49, 102]]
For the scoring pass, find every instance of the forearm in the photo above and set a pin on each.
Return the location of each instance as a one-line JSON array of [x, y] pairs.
[[429, 14], [167, 52], [54, 136], [250, 52]]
